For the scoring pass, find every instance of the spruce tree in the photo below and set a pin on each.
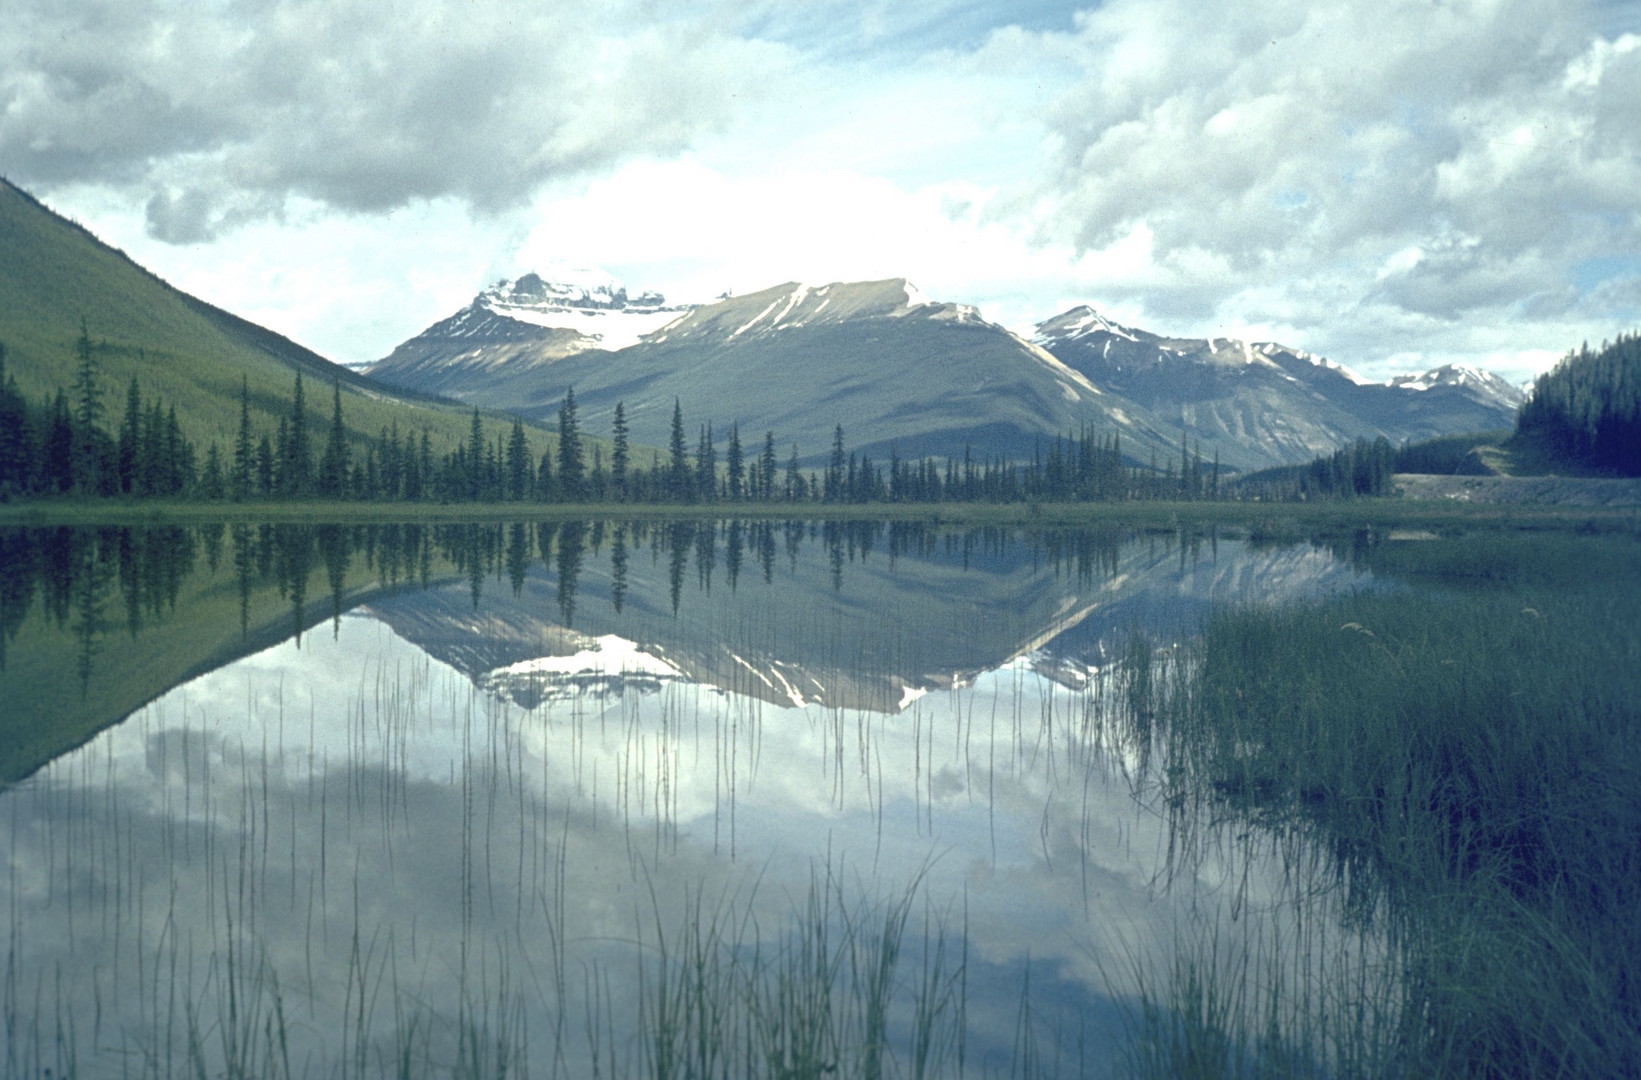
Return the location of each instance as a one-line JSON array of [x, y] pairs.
[[832, 490], [794, 476], [88, 412], [473, 459], [619, 453], [210, 483], [706, 465], [334, 471], [734, 464], [520, 472], [16, 439], [678, 476], [130, 428], [571, 469], [57, 464], [766, 467], [240, 478], [424, 467], [298, 452], [264, 468]]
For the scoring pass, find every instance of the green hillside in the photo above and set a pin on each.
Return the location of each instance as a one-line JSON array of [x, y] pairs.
[[54, 274]]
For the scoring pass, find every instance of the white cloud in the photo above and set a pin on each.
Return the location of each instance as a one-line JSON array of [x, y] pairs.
[[1368, 182], [225, 112], [1379, 177]]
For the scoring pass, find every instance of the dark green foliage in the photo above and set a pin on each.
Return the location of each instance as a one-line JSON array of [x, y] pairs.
[[1589, 407], [766, 468], [297, 473], [619, 453], [706, 466], [1363, 469], [334, 473], [1450, 455], [678, 477], [571, 468], [734, 465], [520, 469], [1486, 813], [181, 350]]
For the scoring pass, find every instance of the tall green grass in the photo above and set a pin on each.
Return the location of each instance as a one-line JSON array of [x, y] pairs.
[[1465, 758]]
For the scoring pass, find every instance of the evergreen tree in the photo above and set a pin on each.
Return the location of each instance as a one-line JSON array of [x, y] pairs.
[[390, 466], [88, 407], [240, 477], [520, 471], [571, 469], [179, 456], [678, 477], [794, 477], [211, 484], [473, 460], [264, 468], [619, 453], [282, 457], [706, 465], [17, 464], [130, 428], [298, 461], [57, 455], [833, 489], [766, 467], [335, 474], [734, 465], [424, 467], [88, 412]]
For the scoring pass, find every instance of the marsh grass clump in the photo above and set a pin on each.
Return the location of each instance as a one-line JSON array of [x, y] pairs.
[[1468, 759], [831, 996]]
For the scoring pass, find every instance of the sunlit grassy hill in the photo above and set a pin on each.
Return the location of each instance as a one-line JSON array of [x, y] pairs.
[[54, 273]]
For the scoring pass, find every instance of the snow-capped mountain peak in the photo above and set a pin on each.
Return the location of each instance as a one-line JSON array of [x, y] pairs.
[[1080, 321], [584, 300], [1466, 377], [559, 287]]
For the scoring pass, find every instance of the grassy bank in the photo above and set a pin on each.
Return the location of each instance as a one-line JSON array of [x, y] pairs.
[[1465, 755]]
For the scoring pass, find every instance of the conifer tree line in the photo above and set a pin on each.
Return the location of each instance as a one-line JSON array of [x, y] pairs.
[[1362, 469], [62, 447], [1588, 407]]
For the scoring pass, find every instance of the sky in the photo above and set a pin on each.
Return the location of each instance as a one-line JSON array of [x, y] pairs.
[[1392, 185]]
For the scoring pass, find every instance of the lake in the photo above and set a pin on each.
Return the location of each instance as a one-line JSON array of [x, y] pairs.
[[679, 798]]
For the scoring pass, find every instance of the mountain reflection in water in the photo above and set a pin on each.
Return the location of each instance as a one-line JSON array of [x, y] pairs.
[[474, 816]]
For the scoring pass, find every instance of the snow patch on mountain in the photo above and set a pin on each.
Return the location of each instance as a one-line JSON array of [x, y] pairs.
[[584, 300]]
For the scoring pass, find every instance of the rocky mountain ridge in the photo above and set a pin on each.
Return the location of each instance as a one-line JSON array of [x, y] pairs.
[[917, 376]]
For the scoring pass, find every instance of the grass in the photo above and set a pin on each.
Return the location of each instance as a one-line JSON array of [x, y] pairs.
[[1467, 758], [181, 350]]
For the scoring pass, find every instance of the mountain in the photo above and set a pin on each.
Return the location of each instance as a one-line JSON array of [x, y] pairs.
[[524, 324], [901, 371], [54, 273], [1279, 403], [896, 369]]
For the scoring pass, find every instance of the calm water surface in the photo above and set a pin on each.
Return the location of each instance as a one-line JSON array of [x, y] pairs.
[[363, 800]]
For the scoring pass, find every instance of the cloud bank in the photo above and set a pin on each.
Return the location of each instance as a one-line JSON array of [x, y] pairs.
[[1393, 185], [225, 111]]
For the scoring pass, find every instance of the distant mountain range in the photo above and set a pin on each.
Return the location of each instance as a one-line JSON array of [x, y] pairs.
[[899, 371], [915, 376]]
